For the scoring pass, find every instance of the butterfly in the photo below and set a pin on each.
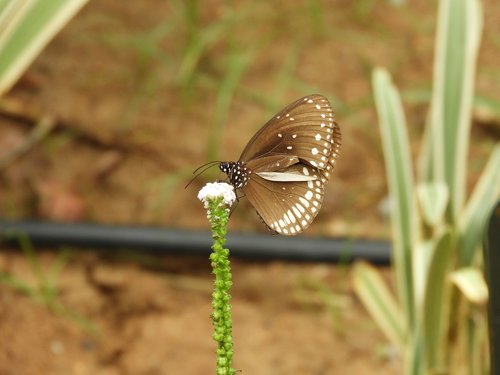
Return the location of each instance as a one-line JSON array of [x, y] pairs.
[[284, 168]]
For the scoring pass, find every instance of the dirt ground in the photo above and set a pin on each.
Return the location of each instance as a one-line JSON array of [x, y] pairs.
[[134, 97]]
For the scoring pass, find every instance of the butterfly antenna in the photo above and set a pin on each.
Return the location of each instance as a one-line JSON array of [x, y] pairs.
[[203, 168]]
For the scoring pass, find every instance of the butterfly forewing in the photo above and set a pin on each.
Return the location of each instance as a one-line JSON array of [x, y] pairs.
[[303, 128]]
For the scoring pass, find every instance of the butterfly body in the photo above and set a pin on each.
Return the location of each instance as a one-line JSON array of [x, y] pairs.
[[285, 166]]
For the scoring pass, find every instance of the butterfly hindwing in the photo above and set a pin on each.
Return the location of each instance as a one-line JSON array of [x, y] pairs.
[[287, 207]]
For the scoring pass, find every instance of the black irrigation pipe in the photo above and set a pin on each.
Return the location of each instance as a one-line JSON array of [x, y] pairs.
[[174, 241]]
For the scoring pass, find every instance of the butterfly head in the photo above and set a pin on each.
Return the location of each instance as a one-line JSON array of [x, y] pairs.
[[237, 173]]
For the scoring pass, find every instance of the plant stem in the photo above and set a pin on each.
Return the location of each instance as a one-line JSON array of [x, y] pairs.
[[218, 214]]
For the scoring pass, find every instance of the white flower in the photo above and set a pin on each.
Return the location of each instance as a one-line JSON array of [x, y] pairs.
[[214, 190]]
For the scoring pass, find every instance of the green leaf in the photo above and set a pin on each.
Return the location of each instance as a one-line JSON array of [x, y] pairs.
[[436, 300], [26, 26], [379, 302], [480, 204], [457, 42], [404, 215], [422, 256], [433, 198], [470, 281]]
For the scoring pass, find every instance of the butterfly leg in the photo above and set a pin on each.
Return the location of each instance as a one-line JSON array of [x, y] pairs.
[[233, 207]]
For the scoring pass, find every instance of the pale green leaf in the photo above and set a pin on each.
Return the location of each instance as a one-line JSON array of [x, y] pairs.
[[457, 43], [379, 302], [470, 281], [26, 26], [483, 198], [399, 169], [421, 259], [436, 303], [433, 198]]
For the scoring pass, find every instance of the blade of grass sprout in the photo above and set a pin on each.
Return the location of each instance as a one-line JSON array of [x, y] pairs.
[[168, 185], [207, 38], [264, 99], [45, 293], [316, 12], [32, 258], [41, 130], [237, 65], [286, 73], [19, 285], [147, 87], [62, 258]]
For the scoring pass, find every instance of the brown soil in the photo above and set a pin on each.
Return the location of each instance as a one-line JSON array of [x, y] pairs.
[[129, 127], [156, 320]]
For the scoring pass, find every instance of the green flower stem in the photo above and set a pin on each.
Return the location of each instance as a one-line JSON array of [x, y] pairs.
[[218, 215]]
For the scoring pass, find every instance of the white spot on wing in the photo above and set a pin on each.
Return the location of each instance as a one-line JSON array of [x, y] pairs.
[[296, 212], [314, 151], [304, 202]]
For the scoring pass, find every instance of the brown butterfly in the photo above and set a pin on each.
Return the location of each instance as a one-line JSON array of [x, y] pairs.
[[284, 168]]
